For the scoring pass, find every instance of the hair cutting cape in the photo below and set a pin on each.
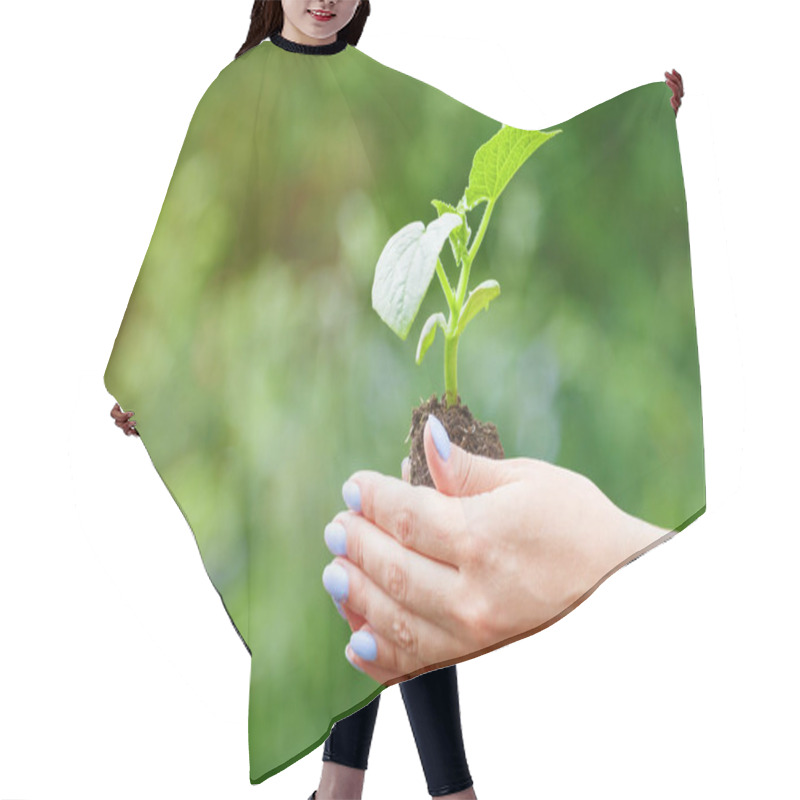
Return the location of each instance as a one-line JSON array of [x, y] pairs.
[[262, 378]]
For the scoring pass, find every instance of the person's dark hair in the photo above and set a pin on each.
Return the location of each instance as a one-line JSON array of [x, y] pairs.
[[266, 18]]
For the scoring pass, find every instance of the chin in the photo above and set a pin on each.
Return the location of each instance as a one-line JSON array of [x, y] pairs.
[[315, 35]]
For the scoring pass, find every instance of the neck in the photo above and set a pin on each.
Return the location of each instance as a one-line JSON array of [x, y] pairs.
[[325, 46]]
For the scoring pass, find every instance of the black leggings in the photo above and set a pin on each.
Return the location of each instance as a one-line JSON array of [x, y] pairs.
[[432, 706]]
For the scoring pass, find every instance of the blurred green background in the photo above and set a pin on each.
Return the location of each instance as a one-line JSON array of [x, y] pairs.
[[261, 377]]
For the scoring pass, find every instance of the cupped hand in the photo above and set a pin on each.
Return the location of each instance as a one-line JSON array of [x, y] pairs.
[[499, 550]]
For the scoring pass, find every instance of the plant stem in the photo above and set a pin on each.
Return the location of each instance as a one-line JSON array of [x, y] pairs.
[[473, 251], [446, 288], [456, 304], [450, 372]]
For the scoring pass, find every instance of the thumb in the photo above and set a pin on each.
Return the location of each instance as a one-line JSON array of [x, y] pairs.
[[456, 472]]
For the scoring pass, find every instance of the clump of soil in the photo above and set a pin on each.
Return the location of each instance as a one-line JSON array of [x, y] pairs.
[[478, 438]]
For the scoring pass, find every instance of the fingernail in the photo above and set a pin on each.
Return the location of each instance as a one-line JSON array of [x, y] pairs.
[[334, 579], [440, 438], [363, 645], [339, 609], [336, 538], [352, 495], [352, 663]]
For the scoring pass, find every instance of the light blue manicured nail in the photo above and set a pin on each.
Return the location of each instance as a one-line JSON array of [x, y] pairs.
[[339, 609], [363, 645], [352, 495], [334, 579], [440, 438], [336, 538], [352, 663]]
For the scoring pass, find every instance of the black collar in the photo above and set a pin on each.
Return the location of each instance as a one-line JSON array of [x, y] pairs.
[[310, 49]]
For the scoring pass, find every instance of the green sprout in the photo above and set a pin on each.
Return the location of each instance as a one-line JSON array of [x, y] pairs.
[[409, 259]]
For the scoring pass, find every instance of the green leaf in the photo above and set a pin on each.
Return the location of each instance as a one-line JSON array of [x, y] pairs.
[[497, 161], [461, 209], [429, 333], [478, 299], [459, 238], [405, 269], [443, 208]]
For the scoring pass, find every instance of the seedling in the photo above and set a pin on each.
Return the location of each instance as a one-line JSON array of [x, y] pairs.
[[406, 266]]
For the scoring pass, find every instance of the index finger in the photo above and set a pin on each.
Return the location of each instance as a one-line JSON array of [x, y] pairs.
[[419, 517]]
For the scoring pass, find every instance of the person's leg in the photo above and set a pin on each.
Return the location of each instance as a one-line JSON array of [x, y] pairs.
[[345, 755], [433, 711]]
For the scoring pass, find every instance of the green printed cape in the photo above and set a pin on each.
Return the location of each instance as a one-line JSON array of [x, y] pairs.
[[262, 378]]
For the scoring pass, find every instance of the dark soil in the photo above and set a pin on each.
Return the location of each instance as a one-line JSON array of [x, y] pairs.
[[478, 438]]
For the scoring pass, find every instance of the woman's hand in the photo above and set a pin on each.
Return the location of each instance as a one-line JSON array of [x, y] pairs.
[[501, 549], [123, 419], [675, 82]]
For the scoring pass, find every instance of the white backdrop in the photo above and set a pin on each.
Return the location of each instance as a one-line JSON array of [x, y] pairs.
[[120, 674]]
